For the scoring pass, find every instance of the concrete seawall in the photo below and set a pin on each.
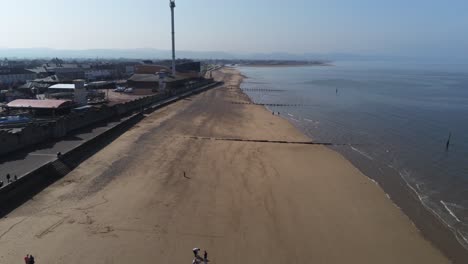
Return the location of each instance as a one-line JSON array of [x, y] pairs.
[[28, 185]]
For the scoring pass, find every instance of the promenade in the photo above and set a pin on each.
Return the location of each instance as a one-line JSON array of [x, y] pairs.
[[24, 161]]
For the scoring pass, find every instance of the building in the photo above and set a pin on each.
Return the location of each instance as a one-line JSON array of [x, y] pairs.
[[61, 88], [33, 88], [129, 70], [41, 107], [144, 81], [125, 69], [147, 75], [75, 91], [178, 81], [10, 76], [70, 71], [150, 69], [101, 85], [189, 69], [65, 72], [152, 81], [100, 72]]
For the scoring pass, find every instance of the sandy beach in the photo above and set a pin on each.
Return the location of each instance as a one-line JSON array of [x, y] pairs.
[[175, 181]]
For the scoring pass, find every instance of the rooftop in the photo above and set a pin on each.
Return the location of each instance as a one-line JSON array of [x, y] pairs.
[[63, 86], [8, 71], [144, 78], [155, 78], [39, 104]]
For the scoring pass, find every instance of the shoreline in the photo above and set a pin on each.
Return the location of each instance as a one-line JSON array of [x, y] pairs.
[[431, 225]]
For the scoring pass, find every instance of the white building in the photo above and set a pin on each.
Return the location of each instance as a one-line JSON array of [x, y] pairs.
[[75, 90], [61, 88]]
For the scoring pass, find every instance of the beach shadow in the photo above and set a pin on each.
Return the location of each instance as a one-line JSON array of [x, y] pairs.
[[19, 192]]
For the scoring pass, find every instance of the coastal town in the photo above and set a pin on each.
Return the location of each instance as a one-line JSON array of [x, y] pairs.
[[254, 140], [34, 79]]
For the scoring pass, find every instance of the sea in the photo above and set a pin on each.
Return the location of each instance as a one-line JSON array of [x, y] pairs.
[[405, 120]]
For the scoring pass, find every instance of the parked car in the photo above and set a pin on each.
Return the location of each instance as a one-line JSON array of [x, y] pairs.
[[120, 89]]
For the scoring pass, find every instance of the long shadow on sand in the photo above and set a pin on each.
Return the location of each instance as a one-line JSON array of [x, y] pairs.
[[19, 192]]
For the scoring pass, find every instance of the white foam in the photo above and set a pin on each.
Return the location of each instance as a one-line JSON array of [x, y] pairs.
[[450, 211], [420, 197], [374, 181], [308, 120], [463, 240], [290, 115], [295, 119], [362, 153]]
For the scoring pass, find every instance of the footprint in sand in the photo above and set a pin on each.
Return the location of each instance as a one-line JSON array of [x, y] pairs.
[[88, 221], [102, 230]]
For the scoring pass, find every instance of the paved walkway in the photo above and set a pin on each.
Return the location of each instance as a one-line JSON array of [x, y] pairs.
[[27, 160]]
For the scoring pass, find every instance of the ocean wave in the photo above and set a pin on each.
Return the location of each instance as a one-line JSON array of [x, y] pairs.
[[462, 239], [450, 220], [405, 175], [362, 153], [446, 206]]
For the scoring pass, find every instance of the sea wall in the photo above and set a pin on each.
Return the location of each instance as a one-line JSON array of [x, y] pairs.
[[16, 193]]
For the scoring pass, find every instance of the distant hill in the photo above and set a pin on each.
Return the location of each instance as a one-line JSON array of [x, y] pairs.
[[108, 53], [148, 53]]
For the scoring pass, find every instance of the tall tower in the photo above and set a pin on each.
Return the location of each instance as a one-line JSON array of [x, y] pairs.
[[172, 5]]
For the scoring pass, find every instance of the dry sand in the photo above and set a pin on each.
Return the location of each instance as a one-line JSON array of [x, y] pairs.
[[244, 202]]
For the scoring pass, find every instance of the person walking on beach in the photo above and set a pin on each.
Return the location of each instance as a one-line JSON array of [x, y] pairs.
[[195, 252], [26, 259], [31, 259], [8, 177], [205, 257]]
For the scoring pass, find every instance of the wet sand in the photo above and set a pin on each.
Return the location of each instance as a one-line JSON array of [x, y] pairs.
[[172, 183]]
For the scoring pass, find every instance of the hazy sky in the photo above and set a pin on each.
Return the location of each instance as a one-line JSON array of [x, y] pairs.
[[396, 27]]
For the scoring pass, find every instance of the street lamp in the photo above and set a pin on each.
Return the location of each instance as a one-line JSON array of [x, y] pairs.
[[172, 5]]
